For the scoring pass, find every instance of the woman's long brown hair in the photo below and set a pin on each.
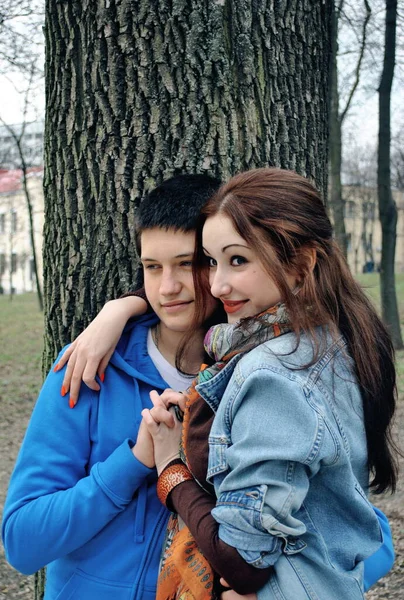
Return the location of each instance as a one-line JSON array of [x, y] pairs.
[[282, 217]]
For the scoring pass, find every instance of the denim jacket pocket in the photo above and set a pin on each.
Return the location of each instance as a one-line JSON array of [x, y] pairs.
[[217, 462]]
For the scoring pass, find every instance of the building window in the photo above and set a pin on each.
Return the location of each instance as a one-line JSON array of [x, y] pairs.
[[2, 264], [31, 269], [13, 221], [349, 209], [3, 223], [349, 242], [14, 262]]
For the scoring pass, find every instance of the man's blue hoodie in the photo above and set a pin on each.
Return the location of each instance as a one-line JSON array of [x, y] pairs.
[[79, 501]]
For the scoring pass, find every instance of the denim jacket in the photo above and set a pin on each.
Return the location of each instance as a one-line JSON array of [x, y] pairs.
[[288, 459]]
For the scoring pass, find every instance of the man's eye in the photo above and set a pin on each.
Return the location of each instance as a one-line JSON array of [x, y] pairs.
[[152, 267], [237, 261], [186, 263]]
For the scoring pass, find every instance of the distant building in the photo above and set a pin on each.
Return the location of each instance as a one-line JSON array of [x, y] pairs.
[[32, 143], [16, 262], [364, 230]]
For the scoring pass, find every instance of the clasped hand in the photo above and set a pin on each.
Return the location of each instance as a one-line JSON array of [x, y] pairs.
[[163, 427]]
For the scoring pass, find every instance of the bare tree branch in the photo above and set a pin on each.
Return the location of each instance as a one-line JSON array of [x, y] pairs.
[[359, 63]]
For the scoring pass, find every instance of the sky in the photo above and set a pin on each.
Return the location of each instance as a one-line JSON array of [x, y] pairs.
[[12, 102], [361, 122]]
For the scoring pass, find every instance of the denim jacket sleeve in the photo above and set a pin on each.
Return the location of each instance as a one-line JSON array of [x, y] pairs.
[[277, 440]]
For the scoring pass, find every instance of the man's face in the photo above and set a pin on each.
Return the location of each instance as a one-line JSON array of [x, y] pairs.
[[166, 256]]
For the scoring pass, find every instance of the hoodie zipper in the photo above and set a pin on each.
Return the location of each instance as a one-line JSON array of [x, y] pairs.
[[162, 520]]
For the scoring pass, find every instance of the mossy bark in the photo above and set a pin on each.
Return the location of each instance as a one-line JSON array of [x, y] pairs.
[[140, 90]]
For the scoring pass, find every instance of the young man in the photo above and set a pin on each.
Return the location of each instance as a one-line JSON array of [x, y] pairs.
[[82, 497]]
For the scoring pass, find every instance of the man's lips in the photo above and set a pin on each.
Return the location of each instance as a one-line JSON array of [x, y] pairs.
[[176, 305], [232, 306]]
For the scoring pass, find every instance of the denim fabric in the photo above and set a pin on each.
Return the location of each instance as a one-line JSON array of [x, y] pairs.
[[288, 459]]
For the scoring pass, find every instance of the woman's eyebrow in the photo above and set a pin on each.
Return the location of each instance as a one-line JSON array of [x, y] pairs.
[[228, 246], [232, 245]]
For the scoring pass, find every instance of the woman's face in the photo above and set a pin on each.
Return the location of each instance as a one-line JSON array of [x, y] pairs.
[[237, 276]]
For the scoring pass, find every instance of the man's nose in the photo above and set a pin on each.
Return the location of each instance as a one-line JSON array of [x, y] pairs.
[[169, 285]]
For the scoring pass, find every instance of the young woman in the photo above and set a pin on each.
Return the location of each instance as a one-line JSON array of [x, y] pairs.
[[303, 389], [302, 395]]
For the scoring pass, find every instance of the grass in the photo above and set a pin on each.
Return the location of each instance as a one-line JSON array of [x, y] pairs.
[[370, 283], [21, 340], [21, 345]]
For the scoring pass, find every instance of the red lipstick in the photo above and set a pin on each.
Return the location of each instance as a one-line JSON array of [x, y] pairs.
[[232, 306]]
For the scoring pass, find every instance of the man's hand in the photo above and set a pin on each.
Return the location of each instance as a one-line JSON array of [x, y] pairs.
[[165, 430], [91, 351], [144, 449]]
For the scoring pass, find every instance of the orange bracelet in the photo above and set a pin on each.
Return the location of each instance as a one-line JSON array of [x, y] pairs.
[[170, 478]]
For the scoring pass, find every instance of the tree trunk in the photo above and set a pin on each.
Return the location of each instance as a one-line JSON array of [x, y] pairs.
[[387, 206], [139, 91], [336, 201]]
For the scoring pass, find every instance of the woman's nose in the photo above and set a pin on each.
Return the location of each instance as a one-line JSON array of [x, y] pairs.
[[219, 287]]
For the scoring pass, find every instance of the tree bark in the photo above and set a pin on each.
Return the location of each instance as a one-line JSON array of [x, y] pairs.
[[139, 91], [387, 206]]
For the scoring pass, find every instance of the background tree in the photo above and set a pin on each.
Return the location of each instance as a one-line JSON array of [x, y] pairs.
[[387, 206], [337, 117], [17, 135], [397, 160], [21, 23]]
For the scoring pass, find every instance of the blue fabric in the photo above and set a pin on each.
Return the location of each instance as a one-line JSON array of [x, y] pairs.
[[380, 563], [288, 459], [78, 500]]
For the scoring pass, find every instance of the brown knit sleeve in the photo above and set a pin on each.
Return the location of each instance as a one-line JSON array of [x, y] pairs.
[[194, 506]]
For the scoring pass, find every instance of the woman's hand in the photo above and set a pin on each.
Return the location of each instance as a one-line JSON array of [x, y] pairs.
[[232, 595], [165, 430], [171, 398], [89, 354]]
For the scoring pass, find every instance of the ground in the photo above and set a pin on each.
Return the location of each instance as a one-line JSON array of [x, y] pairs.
[[21, 327]]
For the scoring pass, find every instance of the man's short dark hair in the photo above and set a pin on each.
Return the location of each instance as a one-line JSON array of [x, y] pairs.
[[176, 203]]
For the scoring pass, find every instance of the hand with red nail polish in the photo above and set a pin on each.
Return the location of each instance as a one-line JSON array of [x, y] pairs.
[[89, 355]]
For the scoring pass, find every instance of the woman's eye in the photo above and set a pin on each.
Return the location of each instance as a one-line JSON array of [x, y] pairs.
[[237, 261], [211, 262], [151, 267], [186, 263]]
